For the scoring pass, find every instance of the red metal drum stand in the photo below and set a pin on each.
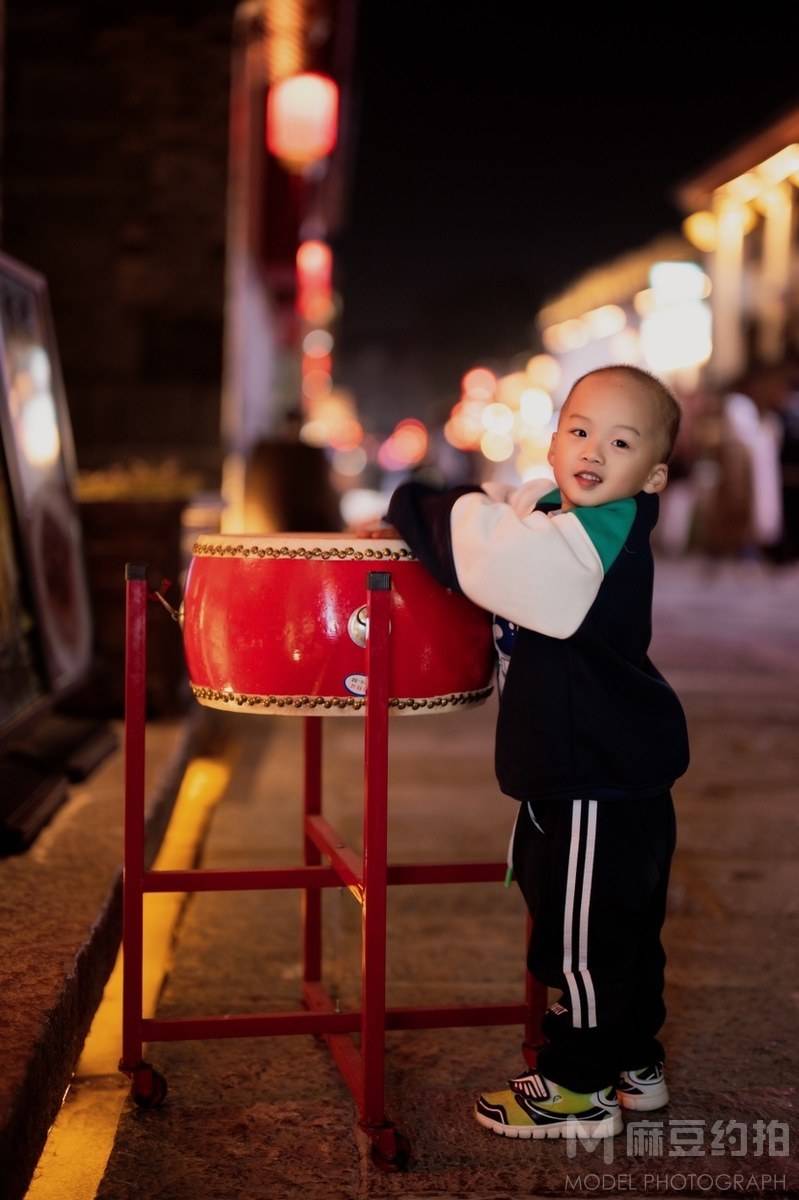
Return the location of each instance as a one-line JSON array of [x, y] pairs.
[[366, 876]]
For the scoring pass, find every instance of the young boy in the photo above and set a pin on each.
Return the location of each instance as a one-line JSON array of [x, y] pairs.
[[590, 738]]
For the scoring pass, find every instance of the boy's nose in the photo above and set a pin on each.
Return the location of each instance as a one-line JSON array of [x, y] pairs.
[[592, 454]]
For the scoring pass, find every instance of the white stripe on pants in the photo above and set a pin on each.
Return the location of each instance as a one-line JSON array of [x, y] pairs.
[[580, 809]]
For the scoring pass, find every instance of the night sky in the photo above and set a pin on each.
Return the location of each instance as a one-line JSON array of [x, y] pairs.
[[495, 160]]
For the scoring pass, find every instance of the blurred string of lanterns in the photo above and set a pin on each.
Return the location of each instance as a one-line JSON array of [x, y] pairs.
[[301, 131], [302, 113], [505, 417], [510, 417]]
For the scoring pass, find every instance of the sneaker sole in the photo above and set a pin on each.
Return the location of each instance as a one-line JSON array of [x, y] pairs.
[[654, 1097], [607, 1127]]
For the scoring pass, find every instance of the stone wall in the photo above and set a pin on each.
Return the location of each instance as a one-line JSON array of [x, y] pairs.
[[115, 162]]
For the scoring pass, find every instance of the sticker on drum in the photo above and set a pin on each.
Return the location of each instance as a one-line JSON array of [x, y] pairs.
[[356, 685]]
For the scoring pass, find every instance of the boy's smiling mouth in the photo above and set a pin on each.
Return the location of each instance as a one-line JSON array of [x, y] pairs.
[[587, 479]]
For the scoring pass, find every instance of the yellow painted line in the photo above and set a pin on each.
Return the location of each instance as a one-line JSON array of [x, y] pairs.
[[82, 1136]]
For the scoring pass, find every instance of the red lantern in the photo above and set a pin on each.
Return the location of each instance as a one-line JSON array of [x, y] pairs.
[[314, 265], [314, 282], [302, 119]]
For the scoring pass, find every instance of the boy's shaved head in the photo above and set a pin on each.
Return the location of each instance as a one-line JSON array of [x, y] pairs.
[[667, 409]]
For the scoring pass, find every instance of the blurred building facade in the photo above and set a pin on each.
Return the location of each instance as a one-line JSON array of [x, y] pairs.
[[742, 216], [715, 313]]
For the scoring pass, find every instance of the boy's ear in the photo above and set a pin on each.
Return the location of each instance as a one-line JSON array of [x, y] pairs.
[[657, 479], [551, 449]]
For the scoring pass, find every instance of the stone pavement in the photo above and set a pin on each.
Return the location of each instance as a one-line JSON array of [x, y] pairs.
[[60, 924], [267, 1119]]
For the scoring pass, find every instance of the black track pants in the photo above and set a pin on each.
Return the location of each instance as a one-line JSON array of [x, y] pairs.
[[595, 874]]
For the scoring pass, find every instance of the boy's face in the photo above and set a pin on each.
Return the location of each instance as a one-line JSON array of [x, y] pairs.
[[608, 444]]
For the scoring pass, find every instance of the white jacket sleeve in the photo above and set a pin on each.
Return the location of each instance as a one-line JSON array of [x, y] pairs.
[[541, 572]]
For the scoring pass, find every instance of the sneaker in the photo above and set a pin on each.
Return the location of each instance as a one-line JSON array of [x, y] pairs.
[[535, 1107], [644, 1089]]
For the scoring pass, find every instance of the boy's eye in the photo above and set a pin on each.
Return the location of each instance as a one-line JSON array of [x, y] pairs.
[[621, 443], [579, 432]]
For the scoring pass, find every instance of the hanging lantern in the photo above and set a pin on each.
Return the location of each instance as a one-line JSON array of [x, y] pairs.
[[314, 265], [314, 282], [302, 119]]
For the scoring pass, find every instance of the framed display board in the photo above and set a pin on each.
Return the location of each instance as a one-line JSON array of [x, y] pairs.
[[22, 679], [40, 467]]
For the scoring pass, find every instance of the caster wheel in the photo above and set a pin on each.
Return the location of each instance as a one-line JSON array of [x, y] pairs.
[[148, 1087], [391, 1151]]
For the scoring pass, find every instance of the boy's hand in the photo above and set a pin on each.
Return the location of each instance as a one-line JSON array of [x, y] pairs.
[[525, 498], [501, 493], [374, 529], [522, 499]]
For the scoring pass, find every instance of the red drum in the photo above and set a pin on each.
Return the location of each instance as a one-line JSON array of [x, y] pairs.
[[277, 624]]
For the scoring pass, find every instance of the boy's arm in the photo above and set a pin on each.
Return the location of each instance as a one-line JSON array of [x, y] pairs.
[[421, 515], [541, 572]]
